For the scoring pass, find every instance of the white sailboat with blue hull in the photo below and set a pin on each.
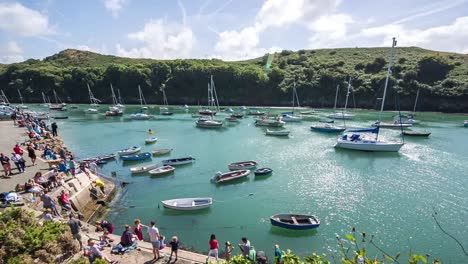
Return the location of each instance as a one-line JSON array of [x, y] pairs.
[[354, 141]]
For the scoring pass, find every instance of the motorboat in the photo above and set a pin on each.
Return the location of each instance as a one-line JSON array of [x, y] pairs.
[[179, 161], [232, 119], [114, 112], [327, 128], [291, 118], [141, 116], [391, 125], [145, 168], [188, 204], [465, 123], [256, 112], [207, 112], [269, 122], [295, 221], [91, 111], [229, 176], [128, 151], [151, 140], [159, 152], [277, 132], [263, 171], [208, 123], [134, 157], [162, 170], [243, 165], [339, 115]]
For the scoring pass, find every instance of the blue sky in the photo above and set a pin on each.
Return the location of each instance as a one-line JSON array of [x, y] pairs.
[[225, 29]]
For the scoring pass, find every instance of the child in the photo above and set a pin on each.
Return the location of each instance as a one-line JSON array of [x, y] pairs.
[[228, 250], [162, 245], [174, 247], [105, 240]]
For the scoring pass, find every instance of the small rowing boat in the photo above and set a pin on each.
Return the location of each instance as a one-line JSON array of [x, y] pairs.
[[180, 161], [140, 156], [144, 168], [263, 171], [162, 170], [243, 165], [188, 204], [229, 176], [128, 151], [280, 133], [151, 140], [159, 152], [416, 133], [327, 128], [295, 221]]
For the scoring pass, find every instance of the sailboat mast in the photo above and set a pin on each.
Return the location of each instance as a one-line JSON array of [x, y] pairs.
[[214, 95], [336, 97], [347, 94], [20, 96], [114, 100], [120, 98], [141, 99], [389, 71], [416, 101], [294, 98], [297, 97]]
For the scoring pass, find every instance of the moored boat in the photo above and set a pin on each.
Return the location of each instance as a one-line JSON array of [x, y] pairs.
[[358, 142], [229, 176], [232, 119], [255, 112], [328, 121], [114, 112], [151, 140], [465, 123], [391, 125], [237, 115], [139, 156], [208, 123], [243, 165], [141, 116], [188, 204], [327, 128], [269, 122], [145, 168], [179, 161], [277, 132], [263, 171], [60, 117], [162, 170], [295, 221], [159, 152], [416, 133], [128, 151]]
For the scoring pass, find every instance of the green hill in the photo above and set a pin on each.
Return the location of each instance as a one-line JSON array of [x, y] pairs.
[[441, 77]]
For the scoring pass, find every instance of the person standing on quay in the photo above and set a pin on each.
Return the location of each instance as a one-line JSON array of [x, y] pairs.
[[228, 250], [213, 248], [32, 154], [54, 129], [75, 227], [6, 165], [137, 229], [153, 233]]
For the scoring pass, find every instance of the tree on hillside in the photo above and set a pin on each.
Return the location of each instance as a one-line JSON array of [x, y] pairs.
[[432, 69]]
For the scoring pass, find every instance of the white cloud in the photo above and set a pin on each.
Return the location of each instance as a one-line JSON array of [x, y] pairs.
[[11, 52], [23, 21], [329, 30], [160, 41], [243, 43], [452, 37], [114, 6]]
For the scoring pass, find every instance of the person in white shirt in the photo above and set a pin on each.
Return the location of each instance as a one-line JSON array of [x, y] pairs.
[[153, 233]]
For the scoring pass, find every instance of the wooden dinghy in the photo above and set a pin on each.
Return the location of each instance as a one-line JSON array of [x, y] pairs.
[[188, 204], [295, 221]]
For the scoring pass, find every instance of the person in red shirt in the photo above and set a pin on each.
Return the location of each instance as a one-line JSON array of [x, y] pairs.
[[213, 248], [17, 149], [65, 201]]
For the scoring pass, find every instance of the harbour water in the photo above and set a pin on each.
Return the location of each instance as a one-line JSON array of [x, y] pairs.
[[388, 195]]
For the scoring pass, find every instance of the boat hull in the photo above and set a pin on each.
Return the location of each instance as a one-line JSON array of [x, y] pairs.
[[243, 165], [143, 169], [159, 152], [263, 172], [340, 116], [269, 122], [166, 169], [175, 162], [327, 129], [369, 145], [230, 176], [128, 151], [279, 133], [188, 204], [416, 134], [295, 222], [141, 156]]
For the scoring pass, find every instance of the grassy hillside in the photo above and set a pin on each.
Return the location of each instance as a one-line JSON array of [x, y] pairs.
[[441, 77]]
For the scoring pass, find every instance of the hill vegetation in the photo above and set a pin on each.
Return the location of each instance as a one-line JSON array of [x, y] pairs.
[[442, 78]]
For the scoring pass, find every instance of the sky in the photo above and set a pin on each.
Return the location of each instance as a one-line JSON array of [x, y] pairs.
[[225, 29]]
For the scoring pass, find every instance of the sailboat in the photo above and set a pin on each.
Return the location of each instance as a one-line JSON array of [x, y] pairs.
[[3, 99], [289, 116], [114, 109], [212, 100], [21, 106], [45, 103], [119, 101], [357, 142], [408, 118], [141, 115], [94, 102], [164, 110], [58, 106], [343, 114]]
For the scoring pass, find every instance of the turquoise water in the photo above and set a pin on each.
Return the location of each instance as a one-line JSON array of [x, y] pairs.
[[389, 195]]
